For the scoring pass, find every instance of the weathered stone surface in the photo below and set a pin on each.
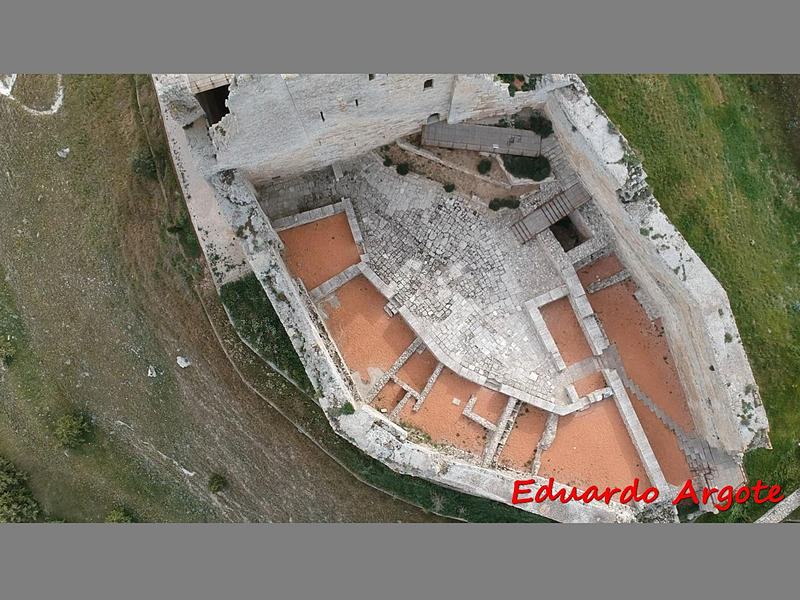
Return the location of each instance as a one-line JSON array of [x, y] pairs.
[[452, 269]]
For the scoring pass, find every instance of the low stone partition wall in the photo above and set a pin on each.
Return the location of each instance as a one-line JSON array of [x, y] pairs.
[[367, 428], [636, 432], [309, 216]]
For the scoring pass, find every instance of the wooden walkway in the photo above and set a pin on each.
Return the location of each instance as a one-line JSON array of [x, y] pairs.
[[485, 138], [204, 82], [550, 212]]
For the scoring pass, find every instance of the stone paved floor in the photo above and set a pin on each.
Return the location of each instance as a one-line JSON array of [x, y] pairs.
[[451, 261], [457, 267]]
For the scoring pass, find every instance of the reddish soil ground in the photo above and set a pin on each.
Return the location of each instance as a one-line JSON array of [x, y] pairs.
[[592, 447], [664, 444], [443, 421], [593, 382], [365, 334], [521, 445], [418, 369], [389, 396], [320, 250], [643, 348], [566, 331], [603, 267]]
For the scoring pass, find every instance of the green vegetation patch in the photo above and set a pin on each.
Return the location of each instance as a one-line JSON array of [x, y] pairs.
[[484, 166], [72, 430], [17, 504], [722, 154], [527, 167], [537, 122], [216, 483], [119, 515], [256, 320], [507, 202]]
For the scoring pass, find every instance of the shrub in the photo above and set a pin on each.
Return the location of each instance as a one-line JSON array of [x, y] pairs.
[[387, 162], [536, 168], [144, 165], [347, 409], [17, 504], [512, 89], [7, 349], [257, 322], [533, 80], [119, 515], [403, 169], [506, 77], [728, 337], [72, 430], [507, 202], [449, 187], [216, 483], [484, 166], [541, 124]]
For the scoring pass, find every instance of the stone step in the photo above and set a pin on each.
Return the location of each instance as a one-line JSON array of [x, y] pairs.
[[509, 426]]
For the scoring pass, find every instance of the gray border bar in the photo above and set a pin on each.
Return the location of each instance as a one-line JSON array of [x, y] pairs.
[[415, 35], [382, 561]]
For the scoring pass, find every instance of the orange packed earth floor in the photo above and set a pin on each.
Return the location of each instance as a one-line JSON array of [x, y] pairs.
[[664, 444], [603, 267], [320, 250], [365, 334], [389, 396], [592, 447], [444, 422], [418, 369], [643, 348], [590, 383], [566, 331], [520, 447], [368, 338]]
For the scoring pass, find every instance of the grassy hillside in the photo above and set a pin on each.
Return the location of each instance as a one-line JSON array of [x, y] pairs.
[[99, 279], [722, 154]]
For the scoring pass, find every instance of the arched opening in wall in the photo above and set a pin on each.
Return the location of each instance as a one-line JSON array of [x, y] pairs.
[[434, 118], [214, 103], [428, 84]]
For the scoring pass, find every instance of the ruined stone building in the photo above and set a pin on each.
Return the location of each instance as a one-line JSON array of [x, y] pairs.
[[573, 334]]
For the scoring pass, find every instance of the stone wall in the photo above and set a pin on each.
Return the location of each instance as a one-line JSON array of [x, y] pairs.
[[285, 133], [694, 307], [366, 428]]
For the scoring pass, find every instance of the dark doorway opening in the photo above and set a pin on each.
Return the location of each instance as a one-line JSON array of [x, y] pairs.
[[434, 118], [214, 103], [428, 84], [567, 234]]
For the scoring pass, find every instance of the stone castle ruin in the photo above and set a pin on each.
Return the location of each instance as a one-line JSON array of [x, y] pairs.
[[463, 319]]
